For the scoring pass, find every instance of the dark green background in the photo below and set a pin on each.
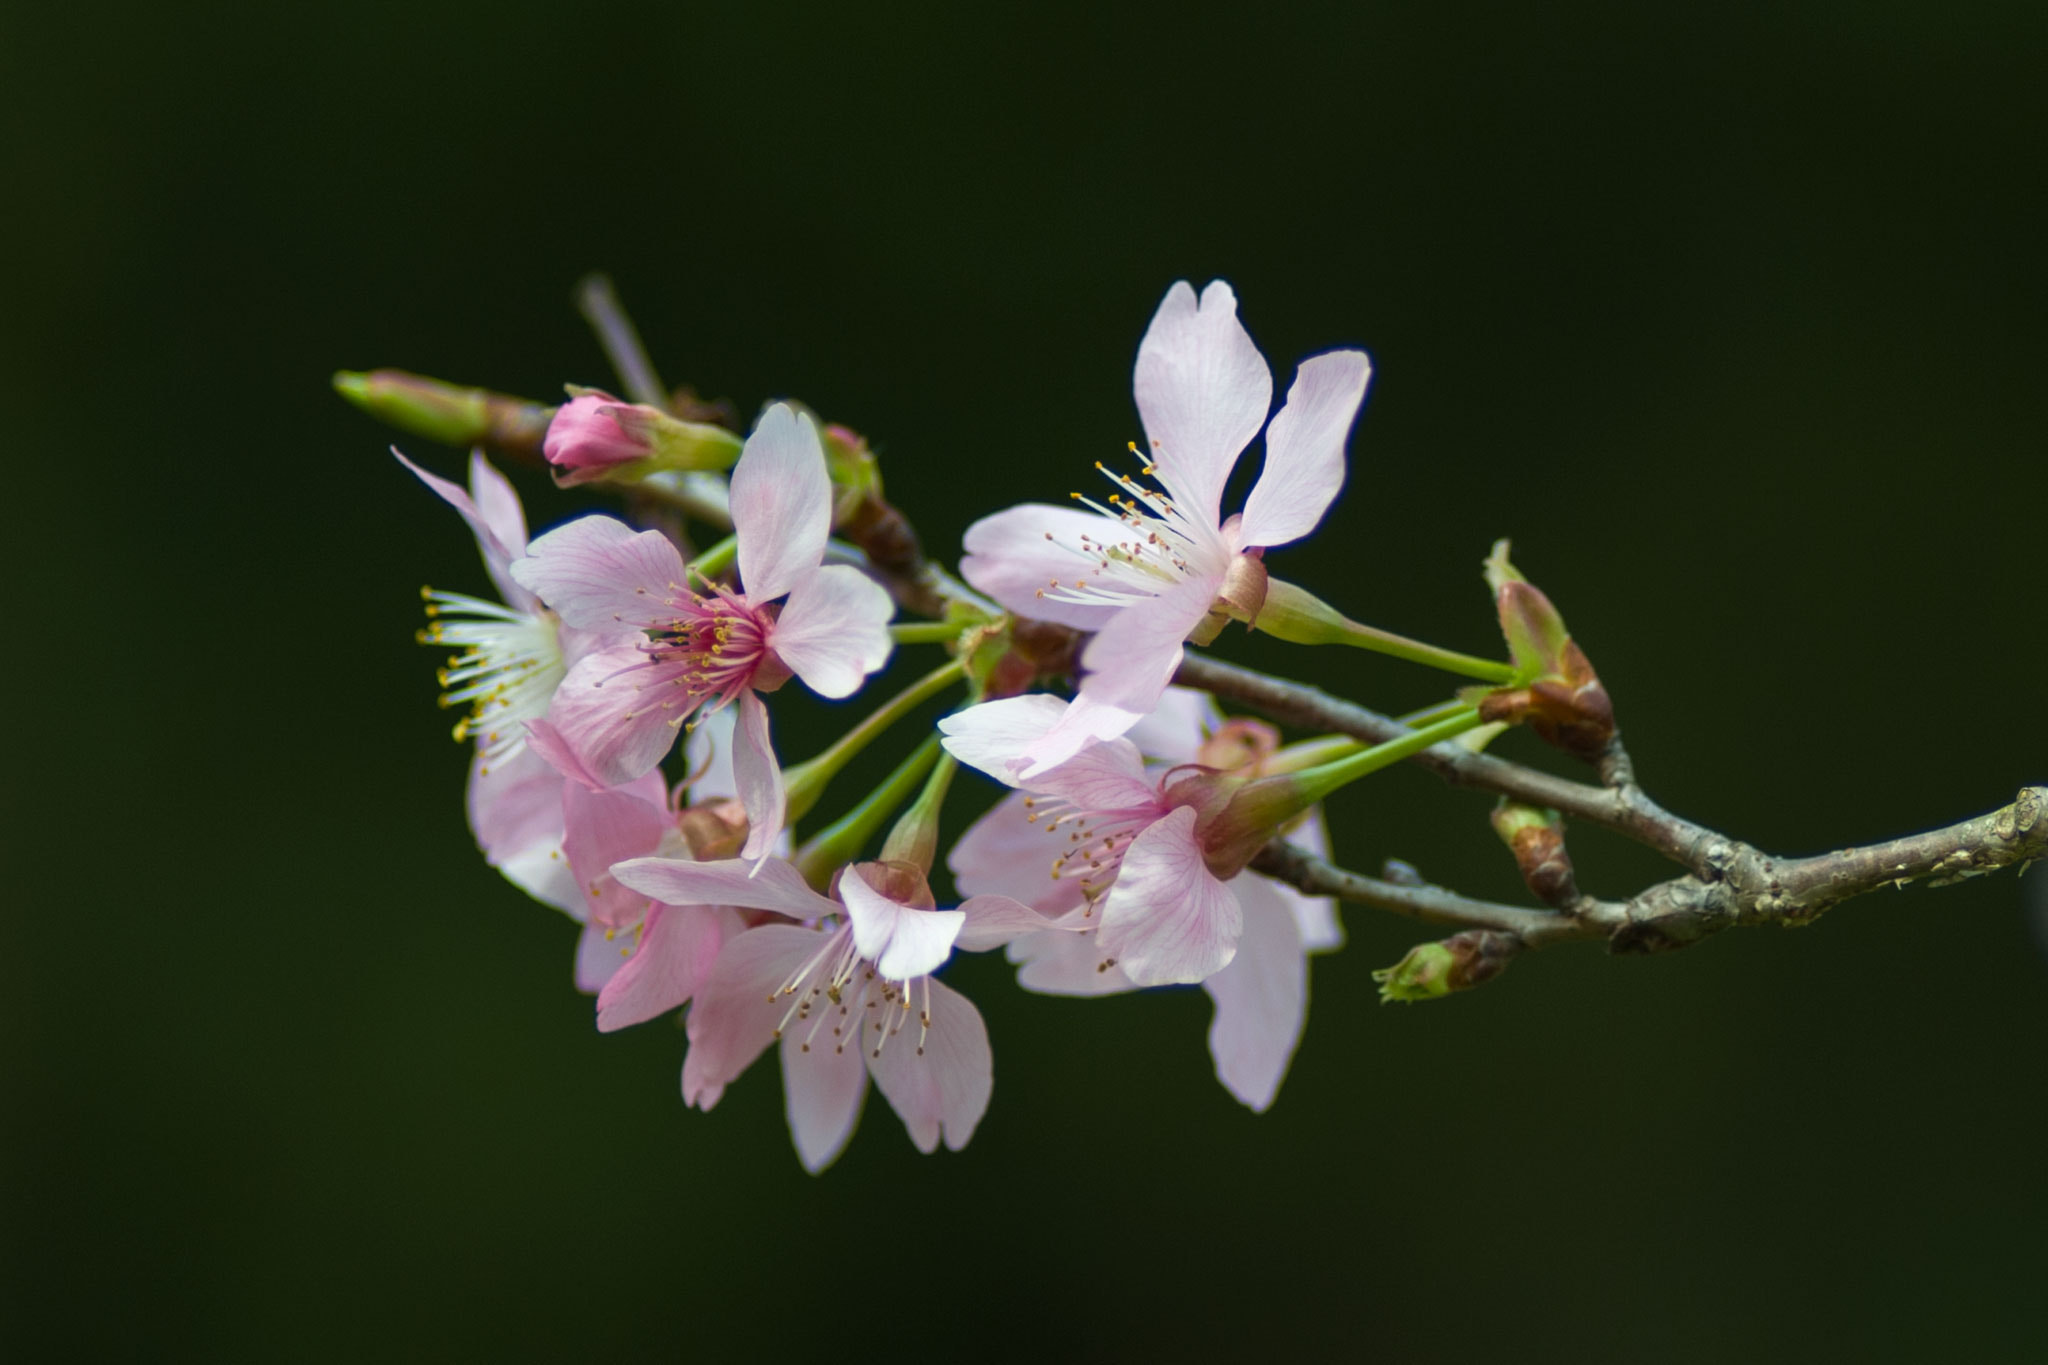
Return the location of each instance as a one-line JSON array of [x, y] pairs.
[[1732, 316]]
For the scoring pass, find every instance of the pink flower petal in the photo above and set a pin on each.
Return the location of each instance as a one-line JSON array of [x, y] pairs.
[[774, 885], [992, 921], [941, 1089], [993, 735], [738, 1007], [498, 551], [1060, 962], [597, 958], [1305, 450], [901, 940], [612, 718], [1175, 728], [606, 827], [834, 630], [759, 778], [1203, 391], [1261, 997], [822, 1086], [781, 503], [598, 573], [1168, 919], [1003, 853], [677, 950], [498, 504], [1021, 551], [1130, 662], [515, 810], [1108, 775]]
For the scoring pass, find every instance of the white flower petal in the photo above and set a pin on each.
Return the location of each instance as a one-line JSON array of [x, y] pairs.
[[781, 503], [834, 630], [1305, 450], [902, 941], [939, 1087], [822, 1085], [1203, 391], [1022, 552], [1261, 997]]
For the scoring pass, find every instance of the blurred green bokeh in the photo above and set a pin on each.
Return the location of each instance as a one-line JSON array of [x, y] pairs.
[[1732, 318]]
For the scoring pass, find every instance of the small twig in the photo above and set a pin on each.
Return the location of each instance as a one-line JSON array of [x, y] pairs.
[[1319, 877], [599, 304]]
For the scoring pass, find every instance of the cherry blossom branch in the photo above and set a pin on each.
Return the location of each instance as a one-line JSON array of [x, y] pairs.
[[1751, 887]]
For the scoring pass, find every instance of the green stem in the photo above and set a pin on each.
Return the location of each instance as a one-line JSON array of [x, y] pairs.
[[713, 561], [841, 841], [599, 304], [1361, 636], [925, 632], [807, 781], [1309, 753], [1430, 715], [1300, 617], [1317, 783]]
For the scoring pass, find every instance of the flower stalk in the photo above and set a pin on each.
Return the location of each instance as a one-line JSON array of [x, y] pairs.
[[841, 841], [1300, 617], [807, 780]]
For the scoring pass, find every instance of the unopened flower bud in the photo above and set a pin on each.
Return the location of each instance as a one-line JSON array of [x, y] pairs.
[[448, 413], [1562, 700], [1536, 837], [1458, 963], [856, 474], [597, 436]]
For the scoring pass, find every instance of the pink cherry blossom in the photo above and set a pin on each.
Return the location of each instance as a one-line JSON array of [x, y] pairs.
[[1127, 839], [848, 992], [1145, 570], [670, 650], [1261, 996]]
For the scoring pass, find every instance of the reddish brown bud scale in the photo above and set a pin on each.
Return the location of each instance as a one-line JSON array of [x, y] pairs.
[[1536, 837]]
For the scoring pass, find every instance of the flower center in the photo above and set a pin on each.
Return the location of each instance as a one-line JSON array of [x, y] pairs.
[[505, 670], [719, 640], [1092, 845], [837, 986], [1145, 547]]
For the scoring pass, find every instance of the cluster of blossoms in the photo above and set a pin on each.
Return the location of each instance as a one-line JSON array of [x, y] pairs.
[[1117, 861]]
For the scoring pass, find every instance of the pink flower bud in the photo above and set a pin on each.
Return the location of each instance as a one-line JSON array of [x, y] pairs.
[[595, 432]]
